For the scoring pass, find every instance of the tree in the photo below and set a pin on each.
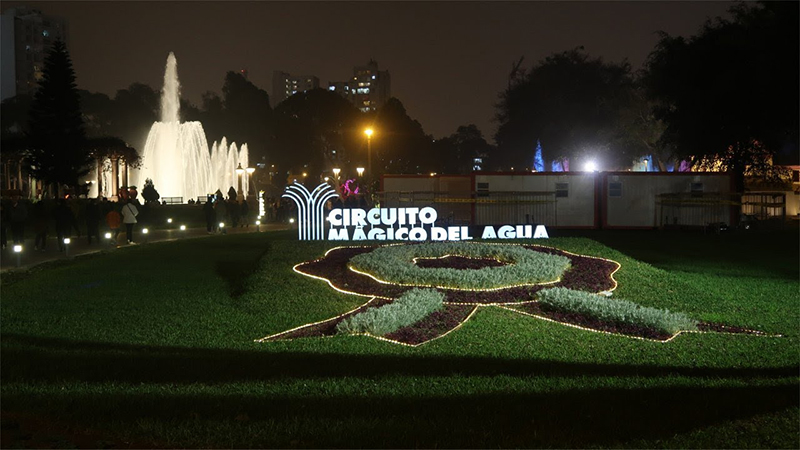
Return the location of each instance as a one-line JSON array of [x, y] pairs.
[[570, 103], [135, 109], [730, 93], [469, 144], [317, 130], [248, 115], [57, 137], [399, 144]]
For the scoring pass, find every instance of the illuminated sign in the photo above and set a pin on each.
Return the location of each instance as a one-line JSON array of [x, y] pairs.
[[385, 224]]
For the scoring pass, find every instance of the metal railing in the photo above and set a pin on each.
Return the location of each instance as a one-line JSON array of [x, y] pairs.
[[172, 200], [696, 209], [480, 208]]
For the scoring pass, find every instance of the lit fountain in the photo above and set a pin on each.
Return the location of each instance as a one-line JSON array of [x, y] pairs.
[[176, 155]]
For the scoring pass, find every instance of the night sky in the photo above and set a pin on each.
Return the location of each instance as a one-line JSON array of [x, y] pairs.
[[448, 60]]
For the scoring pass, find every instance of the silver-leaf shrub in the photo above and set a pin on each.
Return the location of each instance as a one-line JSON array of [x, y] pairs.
[[409, 309]]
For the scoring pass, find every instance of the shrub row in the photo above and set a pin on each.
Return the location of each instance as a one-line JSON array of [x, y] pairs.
[[395, 264], [615, 311], [408, 309]]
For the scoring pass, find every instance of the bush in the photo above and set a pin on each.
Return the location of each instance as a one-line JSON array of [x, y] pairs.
[[615, 311], [395, 264], [409, 309]]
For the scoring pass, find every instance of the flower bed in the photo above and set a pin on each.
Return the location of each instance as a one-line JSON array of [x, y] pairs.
[[395, 265], [587, 274]]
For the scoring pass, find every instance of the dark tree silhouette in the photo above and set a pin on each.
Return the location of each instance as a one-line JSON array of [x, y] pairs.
[[58, 153], [729, 95], [316, 131], [247, 113], [399, 144], [570, 102]]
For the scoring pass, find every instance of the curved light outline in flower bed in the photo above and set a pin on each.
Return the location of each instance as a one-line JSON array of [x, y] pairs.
[[460, 305]]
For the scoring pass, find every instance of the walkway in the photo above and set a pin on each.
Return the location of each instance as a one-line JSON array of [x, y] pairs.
[[80, 246]]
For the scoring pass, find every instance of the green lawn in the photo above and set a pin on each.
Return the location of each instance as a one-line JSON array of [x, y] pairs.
[[154, 346]]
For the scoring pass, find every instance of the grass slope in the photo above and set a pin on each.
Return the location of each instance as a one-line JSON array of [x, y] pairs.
[[154, 345]]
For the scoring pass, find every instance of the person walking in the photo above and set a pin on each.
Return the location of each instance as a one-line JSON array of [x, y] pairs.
[[129, 213], [208, 210], [92, 215], [114, 220], [41, 222], [19, 214], [65, 221], [221, 210]]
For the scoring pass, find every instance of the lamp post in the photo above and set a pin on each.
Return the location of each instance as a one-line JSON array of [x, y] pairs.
[[360, 171], [18, 251], [239, 172], [369, 132], [250, 171], [336, 172]]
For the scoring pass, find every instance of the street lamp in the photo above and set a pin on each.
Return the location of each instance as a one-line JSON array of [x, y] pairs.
[[360, 171], [18, 251], [66, 247], [369, 132], [336, 171], [239, 172]]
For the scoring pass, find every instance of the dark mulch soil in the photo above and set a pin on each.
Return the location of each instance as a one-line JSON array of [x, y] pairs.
[[328, 327], [433, 326], [458, 262], [586, 274], [590, 322]]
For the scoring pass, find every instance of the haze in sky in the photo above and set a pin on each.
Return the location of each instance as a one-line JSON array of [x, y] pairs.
[[448, 60]]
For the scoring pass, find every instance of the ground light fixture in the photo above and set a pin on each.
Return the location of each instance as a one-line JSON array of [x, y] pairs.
[[169, 220], [18, 251], [145, 232], [258, 225], [183, 227], [222, 228], [291, 220], [66, 246]]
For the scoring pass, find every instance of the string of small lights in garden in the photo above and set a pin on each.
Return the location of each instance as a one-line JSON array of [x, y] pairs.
[[475, 305]]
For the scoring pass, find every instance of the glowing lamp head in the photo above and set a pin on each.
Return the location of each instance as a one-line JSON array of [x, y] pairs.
[[368, 132], [240, 170], [250, 170], [590, 166], [17, 248], [108, 235], [222, 224], [169, 220], [67, 241], [336, 171], [258, 222], [291, 220], [145, 231], [360, 171], [183, 227]]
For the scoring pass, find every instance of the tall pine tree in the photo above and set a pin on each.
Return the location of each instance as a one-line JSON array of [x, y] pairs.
[[58, 152]]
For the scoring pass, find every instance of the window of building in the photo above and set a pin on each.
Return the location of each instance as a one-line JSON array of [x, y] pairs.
[[483, 189], [562, 190], [696, 189], [615, 189]]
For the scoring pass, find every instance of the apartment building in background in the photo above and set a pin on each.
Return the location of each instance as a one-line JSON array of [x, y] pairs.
[[284, 85], [368, 89], [27, 35]]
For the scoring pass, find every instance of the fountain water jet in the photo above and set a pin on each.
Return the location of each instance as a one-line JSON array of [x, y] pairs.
[[177, 157]]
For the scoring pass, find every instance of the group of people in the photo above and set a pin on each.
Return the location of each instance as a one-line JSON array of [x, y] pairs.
[[68, 215], [232, 212]]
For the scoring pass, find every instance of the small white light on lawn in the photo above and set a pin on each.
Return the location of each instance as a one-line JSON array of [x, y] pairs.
[[67, 240], [17, 248], [108, 235], [183, 227]]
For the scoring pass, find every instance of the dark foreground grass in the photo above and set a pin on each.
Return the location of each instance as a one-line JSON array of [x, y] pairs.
[[153, 346]]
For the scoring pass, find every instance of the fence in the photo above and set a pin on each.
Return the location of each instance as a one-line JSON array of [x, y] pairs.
[[696, 209], [480, 208], [764, 205], [172, 200]]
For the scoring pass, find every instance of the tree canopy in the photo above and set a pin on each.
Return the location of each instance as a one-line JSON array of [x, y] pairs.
[[57, 138], [569, 102], [730, 93]]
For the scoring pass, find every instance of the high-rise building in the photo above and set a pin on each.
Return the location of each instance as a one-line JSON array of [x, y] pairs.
[[27, 35], [284, 85], [369, 88]]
